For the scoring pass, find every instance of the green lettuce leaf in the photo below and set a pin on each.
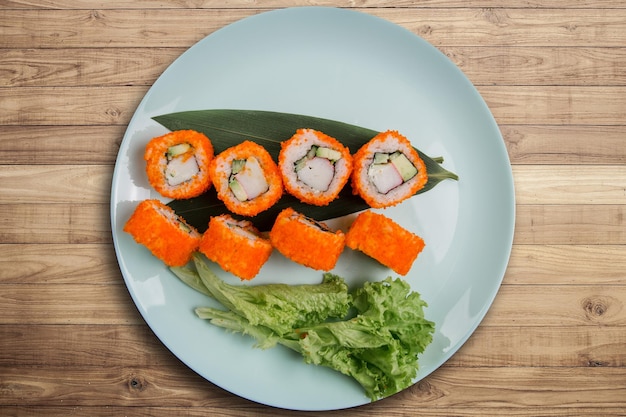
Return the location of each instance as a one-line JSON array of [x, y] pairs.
[[378, 345], [279, 307]]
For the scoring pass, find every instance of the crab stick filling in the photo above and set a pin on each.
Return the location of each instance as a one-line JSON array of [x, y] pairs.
[[247, 180], [389, 171]]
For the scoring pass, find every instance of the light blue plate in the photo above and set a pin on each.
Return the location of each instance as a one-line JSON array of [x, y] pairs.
[[359, 69]]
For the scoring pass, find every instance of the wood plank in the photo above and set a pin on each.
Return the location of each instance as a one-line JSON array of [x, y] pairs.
[[563, 184], [556, 104], [39, 28], [69, 105], [67, 304], [58, 264], [567, 305], [592, 346], [508, 65], [534, 184], [241, 408], [98, 145], [23, 183], [529, 264], [518, 305], [566, 265], [597, 224], [80, 346], [551, 144], [513, 65], [448, 387], [92, 28], [548, 105], [570, 224], [69, 145], [270, 4], [84, 66], [55, 223]]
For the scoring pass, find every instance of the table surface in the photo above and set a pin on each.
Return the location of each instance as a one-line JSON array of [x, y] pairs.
[[72, 74]]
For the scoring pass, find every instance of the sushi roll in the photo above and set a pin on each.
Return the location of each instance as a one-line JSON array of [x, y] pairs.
[[177, 164], [314, 166], [166, 235], [381, 238], [235, 245], [306, 241], [387, 170], [246, 179]]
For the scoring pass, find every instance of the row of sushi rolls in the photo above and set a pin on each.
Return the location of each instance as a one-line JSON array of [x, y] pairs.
[[312, 166]]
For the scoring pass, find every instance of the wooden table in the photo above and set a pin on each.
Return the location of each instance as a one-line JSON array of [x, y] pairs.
[[73, 72]]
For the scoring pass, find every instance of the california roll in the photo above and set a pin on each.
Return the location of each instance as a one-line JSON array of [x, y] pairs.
[[177, 164], [314, 166], [387, 170], [246, 179]]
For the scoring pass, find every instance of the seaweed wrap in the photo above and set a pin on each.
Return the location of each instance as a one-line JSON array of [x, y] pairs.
[[177, 164], [246, 179], [306, 241], [387, 170], [235, 245], [165, 234], [314, 166], [386, 241]]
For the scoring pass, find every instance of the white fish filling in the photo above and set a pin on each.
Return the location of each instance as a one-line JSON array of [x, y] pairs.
[[385, 177], [249, 182], [180, 170], [317, 173]]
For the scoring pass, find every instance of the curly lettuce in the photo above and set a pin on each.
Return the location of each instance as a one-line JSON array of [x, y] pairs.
[[378, 344]]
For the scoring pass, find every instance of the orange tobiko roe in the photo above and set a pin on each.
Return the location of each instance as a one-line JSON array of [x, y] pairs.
[[296, 238], [381, 238], [167, 236], [241, 254]]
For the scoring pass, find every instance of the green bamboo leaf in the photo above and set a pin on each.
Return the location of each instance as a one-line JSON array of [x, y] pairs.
[[227, 128]]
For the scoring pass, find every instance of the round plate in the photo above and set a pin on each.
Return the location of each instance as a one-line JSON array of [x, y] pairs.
[[359, 69]]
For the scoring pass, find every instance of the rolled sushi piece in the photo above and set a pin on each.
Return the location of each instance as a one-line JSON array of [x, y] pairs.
[[314, 166], [386, 241], [387, 170], [306, 241], [165, 234], [177, 163], [235, 245], [246, 179]]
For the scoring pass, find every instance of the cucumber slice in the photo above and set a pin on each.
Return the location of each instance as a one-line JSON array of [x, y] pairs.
[[237, 190], [237, 165], [328, 153], [406, 169], [176, 150]]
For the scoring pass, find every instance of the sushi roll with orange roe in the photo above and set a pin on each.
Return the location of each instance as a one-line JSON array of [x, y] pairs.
[[314, 166], [387, 170], [235, 245], [177, 164], [246, 179], [166, 235], [306, 241], [386, 241]]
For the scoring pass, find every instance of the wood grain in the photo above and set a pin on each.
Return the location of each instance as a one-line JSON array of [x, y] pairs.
[[465, 27], [271, 4], [580, 305], [526, 144], [485, 65], [509, 105], [589, 224], [559, 184], [493, 346], [166, 386]]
